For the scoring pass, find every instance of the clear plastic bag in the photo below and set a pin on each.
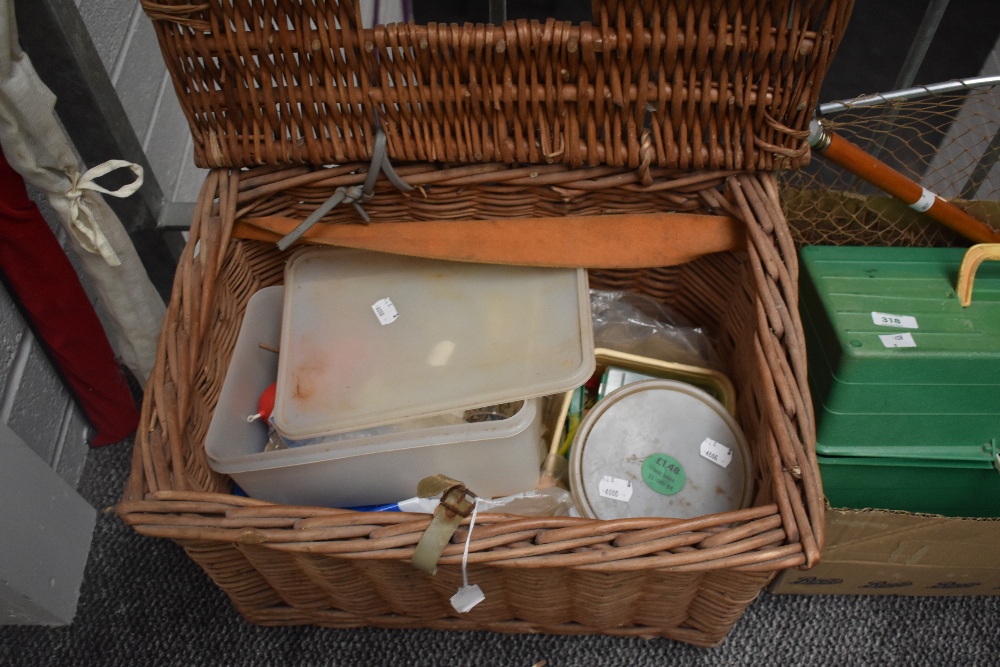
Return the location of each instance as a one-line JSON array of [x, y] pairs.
[[637, 324], [552, 501]]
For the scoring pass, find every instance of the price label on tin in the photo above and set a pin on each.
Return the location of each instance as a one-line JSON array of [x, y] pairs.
[[385, 311], [614, 488], [663, 474], [898, 340], [716, 452], [899, 321]]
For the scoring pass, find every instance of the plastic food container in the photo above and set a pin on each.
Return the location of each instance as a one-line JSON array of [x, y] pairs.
[[659, 448], [493, 458], [372, 339]]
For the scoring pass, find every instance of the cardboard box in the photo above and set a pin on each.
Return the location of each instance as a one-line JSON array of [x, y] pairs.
[[874, 552]]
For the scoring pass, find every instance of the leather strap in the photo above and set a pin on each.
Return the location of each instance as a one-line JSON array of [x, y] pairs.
[[353, 194], [604, 241], [456, 504]]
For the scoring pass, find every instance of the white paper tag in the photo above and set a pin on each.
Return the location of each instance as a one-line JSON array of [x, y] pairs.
[[899, 321], [614, 488], [898, 340], [927, 199], [385, 311], [467, 597], [716, 452]]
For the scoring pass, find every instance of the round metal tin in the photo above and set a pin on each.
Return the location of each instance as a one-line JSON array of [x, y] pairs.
[[659, 448]]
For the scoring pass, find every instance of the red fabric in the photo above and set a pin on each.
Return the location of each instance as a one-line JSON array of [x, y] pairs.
[[51, 296]]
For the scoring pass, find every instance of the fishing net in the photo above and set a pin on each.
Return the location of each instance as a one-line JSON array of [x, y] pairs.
[[948, 143]]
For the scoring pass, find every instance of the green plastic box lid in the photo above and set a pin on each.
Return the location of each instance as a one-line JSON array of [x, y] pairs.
[[897, 367], [890, 316], [890, 398]]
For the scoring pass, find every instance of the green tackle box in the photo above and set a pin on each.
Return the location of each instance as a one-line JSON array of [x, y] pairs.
[[905, 381]]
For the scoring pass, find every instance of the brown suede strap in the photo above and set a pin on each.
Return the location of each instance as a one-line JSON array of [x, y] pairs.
[[603, 241]]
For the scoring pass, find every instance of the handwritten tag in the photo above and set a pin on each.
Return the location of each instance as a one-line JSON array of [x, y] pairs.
[[716, 452], [899, 321], [898, 340], [385, 311], [614, 488]]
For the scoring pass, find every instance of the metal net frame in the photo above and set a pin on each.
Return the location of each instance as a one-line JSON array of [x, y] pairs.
[[944, 136]]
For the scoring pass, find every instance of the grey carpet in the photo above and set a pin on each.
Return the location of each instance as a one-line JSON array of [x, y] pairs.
[[143, 602]]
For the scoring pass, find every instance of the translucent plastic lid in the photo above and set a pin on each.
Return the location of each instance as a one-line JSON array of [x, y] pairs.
[[371, 338]]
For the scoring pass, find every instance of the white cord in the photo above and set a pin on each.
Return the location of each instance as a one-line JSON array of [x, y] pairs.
[[468, 539]]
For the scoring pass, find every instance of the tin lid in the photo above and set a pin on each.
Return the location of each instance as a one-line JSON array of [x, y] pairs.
[[659, 448], [370, 338]]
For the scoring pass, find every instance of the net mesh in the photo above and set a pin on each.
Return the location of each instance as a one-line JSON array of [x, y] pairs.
[[948, 143]]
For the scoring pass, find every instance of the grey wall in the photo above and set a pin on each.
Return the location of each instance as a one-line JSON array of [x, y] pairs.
[[35, 405], [125, 40]]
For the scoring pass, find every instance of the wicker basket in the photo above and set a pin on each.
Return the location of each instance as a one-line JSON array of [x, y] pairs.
[[688, 580]]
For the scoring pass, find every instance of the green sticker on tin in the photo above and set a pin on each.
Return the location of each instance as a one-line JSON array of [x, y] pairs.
[[663, 474]]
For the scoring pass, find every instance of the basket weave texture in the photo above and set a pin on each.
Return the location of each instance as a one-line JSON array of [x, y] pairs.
[[685, 579], [688, 580], [718, 84]]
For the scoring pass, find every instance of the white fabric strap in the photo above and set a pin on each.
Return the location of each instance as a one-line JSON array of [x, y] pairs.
[[82, 223]]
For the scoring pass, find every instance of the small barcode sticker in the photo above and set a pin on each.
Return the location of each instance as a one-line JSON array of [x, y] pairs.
[[716, 452], [927, 199], [899, 321], [614, 488], [385, 311], [898, 340]]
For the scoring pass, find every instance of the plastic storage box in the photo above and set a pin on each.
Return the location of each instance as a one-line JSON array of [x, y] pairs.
[[906, 382], [493, 458]]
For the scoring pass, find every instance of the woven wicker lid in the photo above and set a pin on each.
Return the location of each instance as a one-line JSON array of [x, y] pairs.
[[662, 83]]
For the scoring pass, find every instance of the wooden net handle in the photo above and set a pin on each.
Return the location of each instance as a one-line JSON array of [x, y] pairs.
[[842, 152]]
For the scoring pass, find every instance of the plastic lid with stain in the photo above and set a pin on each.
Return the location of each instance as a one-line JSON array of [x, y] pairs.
[[369, 338]]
